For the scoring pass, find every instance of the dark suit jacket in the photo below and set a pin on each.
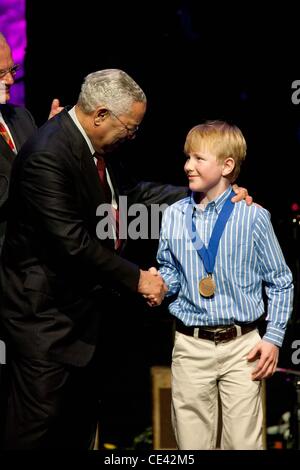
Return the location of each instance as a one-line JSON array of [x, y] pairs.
[[54, 269], [21, 125]]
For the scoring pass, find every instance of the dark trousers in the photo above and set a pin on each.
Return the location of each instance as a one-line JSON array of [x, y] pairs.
[[50, 405]]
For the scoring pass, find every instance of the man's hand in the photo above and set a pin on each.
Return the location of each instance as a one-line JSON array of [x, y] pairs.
[[241, 193], [152, 286], [154, 271], [55, 108], [267, 353], [151, 299]]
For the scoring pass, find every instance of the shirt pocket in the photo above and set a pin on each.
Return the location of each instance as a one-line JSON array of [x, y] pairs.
[[241, 264]]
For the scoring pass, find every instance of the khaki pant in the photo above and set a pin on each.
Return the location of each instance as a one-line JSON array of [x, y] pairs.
[[200, 370]]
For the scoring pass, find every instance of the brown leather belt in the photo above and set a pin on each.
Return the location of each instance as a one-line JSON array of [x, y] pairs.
[[218, 334]]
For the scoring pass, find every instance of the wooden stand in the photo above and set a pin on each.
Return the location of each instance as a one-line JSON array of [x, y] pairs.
[[163, 437]]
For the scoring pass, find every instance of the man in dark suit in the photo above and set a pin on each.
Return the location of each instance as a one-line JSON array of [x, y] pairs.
[[56, 275]]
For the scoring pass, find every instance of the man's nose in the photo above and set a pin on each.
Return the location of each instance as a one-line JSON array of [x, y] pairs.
[[8, 78]]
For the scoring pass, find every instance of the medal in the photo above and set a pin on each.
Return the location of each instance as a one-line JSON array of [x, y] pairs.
[[207, 286]]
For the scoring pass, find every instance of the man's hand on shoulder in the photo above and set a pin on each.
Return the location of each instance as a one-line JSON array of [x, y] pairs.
[[241, 194]]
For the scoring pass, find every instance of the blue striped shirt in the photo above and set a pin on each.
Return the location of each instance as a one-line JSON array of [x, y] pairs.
[[248, 254]]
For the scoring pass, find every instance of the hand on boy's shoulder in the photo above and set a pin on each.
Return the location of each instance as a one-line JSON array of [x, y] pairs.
[[241, 195]]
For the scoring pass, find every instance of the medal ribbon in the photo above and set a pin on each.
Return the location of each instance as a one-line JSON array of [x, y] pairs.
[[208, 255]]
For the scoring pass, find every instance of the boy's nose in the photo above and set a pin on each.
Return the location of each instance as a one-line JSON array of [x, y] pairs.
[[188, 167]]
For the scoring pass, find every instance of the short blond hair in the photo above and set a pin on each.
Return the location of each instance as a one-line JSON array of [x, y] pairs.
[[223, 139]]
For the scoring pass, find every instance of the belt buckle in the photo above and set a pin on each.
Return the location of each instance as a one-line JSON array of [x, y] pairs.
[[231, 334], [217, 337]]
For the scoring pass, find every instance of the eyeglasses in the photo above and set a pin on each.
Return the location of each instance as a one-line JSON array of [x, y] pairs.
[[131, 131], [12, 70]]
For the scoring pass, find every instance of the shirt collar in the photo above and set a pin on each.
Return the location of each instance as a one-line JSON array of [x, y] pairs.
[[1, 118], [214, 205], [72, 114]]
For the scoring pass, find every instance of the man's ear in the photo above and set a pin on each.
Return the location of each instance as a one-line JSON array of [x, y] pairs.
[[100, 115], [228, 166]]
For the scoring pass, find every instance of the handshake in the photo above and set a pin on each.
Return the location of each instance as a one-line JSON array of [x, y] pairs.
[[152, 287]]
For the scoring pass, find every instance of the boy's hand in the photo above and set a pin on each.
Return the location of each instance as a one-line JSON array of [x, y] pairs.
[[241, 193], [267, 353]]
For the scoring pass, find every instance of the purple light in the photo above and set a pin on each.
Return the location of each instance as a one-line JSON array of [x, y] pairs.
[[13, 27]]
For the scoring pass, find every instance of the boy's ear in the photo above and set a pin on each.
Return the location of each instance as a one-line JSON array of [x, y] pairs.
[[228, 166]]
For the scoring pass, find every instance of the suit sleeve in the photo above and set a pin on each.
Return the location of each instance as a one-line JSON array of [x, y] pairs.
[[50, 196], [147, 192]]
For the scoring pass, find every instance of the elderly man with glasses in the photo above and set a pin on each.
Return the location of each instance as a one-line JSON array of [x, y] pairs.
[[58, 278], [16, 126]]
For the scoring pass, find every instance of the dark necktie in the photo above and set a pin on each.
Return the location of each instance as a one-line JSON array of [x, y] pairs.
[[6, 136], [101, 167]]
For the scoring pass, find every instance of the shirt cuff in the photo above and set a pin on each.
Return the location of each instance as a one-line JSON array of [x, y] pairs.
[[274, 335], [171, 283]]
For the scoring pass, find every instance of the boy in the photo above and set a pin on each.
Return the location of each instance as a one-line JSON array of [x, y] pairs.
[[214, 255]]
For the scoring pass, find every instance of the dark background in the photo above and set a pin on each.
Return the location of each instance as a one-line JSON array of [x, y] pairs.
[[194, 63]]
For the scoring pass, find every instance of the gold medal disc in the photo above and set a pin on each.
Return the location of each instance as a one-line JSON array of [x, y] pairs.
[[207, 286]]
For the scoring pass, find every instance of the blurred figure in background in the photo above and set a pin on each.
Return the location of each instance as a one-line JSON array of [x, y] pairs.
[[16, 125]]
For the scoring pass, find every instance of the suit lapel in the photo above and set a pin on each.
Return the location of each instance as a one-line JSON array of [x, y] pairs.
[[113, 181], [5, 151], [12, 123], [93, 186], [81, 151], [91, 177]]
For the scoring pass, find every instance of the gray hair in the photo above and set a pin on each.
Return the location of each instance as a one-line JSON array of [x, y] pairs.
[[112, 88]]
